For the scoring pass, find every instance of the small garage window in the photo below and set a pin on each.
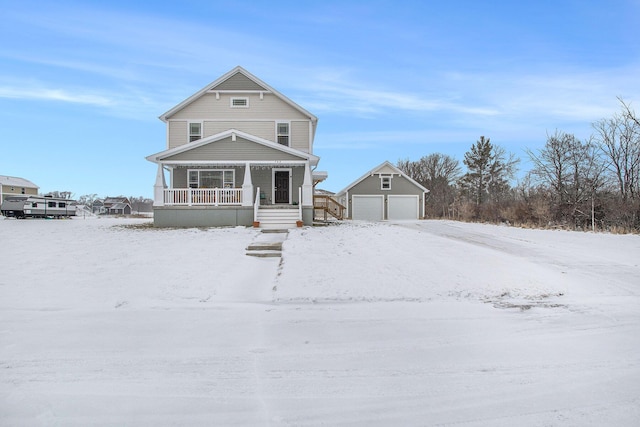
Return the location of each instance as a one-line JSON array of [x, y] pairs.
[[385, 183]]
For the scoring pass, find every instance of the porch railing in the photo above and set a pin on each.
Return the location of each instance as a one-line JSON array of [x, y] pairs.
[[328, 205], [203, 196]]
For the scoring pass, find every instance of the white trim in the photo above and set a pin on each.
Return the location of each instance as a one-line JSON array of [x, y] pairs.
[[370, 196], [157, 157], [226, 76], [227, 91], [382, 178], [373, 172], [273, 183], [403, 196], [239, 98], [240, 120], [288, 123], [201, 122], [282, 163], [233, 171]]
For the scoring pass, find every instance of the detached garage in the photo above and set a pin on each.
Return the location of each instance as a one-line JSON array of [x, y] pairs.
[[383, 193]]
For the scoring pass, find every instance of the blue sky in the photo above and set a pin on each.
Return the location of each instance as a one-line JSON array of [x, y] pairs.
[[82, 83]]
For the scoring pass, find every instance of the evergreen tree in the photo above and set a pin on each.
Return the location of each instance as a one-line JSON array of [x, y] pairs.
[[489, 171], [479, 161]]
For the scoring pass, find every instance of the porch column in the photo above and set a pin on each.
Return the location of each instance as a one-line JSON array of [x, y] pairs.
[[247, 186], [307, 187], [159, 186]]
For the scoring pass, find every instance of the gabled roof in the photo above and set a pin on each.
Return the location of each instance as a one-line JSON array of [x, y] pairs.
[[159, 157], [386, 168], [257, 85], [14, 181], [119, 205]]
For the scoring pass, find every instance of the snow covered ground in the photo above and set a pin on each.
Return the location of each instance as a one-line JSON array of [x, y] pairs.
[[431, 323]]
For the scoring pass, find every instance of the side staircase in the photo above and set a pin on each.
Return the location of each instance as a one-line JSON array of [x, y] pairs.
[[278, 217], [327, 205]]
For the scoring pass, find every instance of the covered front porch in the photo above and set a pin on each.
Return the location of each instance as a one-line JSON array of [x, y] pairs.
[[227, 178], [233, 193]]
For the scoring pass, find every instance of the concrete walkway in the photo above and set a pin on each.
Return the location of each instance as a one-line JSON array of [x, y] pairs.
[[268, 243]]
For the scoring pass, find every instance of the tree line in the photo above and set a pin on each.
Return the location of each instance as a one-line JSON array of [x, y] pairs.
[[577, 184]]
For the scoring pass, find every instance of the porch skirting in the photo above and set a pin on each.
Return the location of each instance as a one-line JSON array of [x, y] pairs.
[[211, 216]]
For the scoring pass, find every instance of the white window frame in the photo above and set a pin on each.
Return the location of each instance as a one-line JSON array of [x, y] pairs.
[[386, 178], [189, 135], [239, 98], [225, 183], [288, 135]]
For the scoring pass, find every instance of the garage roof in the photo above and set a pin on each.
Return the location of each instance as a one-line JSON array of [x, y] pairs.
[[386, 168]]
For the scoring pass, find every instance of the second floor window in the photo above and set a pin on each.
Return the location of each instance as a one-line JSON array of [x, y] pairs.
[[282, 136], [195, 131], [385, 183]]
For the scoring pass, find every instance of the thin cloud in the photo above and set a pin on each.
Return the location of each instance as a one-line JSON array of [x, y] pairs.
[[60, 95]]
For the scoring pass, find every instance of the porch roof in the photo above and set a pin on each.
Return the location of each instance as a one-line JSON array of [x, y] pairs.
[[289, 155]]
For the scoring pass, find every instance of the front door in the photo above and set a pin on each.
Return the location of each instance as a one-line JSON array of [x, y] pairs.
[[281, 186]]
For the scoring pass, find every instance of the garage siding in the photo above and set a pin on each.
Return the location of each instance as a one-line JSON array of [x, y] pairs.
[[403, 197]]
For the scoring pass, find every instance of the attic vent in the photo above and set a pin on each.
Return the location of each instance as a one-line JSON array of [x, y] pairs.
[[239, 102]]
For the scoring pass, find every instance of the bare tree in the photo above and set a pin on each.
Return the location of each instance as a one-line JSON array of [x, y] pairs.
[[573, 171], [61, 194], [619, 139], [87, 200], [438, 173]]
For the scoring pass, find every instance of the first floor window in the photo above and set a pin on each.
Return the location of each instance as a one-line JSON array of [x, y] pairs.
[[282, 130], [211, 178], [195, 131]]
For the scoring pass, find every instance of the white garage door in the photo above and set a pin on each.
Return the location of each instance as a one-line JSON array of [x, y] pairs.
[[367, 208], [403, 207]]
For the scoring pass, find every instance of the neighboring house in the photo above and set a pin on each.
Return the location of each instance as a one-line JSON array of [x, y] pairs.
[[237, 152], [97, 207], [383, 193], [116, 206], [11, 185]]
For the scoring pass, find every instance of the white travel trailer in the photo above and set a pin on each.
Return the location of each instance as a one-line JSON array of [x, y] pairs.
[[29, 206]]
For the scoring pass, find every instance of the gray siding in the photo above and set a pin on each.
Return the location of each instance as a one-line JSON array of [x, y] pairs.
[[270, 108], [202, 216], [177, 134], [300, 135], [238, 82], [264, 129], [180, 175], [226, 149], [261, 129], [263, 178], [399, 185]]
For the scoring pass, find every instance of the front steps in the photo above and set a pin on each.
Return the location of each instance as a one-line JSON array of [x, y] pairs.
[[268, 244], [275, 217]]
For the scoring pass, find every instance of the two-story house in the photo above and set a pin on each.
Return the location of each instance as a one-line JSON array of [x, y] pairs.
[[238, 152], [12, 185]]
